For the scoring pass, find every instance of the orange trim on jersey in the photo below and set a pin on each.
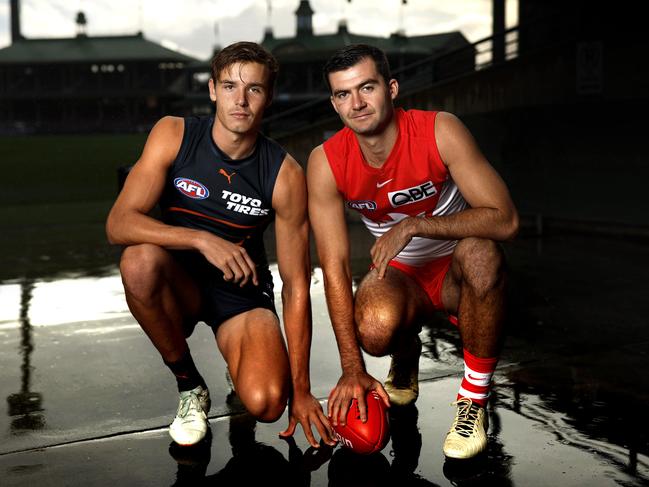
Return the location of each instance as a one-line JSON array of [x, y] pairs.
[[196, 213]]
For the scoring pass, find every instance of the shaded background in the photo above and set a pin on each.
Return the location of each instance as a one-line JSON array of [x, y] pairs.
[[556, 101]]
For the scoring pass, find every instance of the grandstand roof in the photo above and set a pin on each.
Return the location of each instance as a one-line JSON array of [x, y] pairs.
[[88, 49], [308, 45]]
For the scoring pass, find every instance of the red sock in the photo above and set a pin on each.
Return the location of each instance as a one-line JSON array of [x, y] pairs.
[[477, 378]]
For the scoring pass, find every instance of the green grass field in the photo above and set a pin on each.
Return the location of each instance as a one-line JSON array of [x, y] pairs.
[[55, 193], [56, 169]]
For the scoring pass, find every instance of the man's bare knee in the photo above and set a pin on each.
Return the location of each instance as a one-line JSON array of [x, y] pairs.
[[481, 261], [375, 327], [141, 269], [265, 403]]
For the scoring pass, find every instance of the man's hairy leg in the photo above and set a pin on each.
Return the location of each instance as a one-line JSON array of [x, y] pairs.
[[387, 311], [388, 315], [474, 289]]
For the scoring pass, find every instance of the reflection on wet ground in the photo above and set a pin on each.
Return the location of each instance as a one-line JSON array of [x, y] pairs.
[[25, 407], [86, 394]]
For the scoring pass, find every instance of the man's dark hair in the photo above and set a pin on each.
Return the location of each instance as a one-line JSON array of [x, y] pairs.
[[245, 52], [351, 55]]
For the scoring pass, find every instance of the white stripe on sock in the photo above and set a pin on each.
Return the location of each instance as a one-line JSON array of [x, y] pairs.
[[472, 395], [480, 379]]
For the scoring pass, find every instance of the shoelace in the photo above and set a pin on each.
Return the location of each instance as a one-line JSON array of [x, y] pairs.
[[467, 415], [187, 402]]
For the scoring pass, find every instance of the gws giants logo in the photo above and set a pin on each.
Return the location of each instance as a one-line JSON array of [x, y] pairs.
[[412, 195], [191, 188], [362, 205]]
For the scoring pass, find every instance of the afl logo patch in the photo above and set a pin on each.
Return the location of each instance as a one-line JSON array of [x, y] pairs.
[[191, 188], [362, 205]]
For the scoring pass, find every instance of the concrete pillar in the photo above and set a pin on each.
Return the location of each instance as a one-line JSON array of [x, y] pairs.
[[498, 31], [15, 21]]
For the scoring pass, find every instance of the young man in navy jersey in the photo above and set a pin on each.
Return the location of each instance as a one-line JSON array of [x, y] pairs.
[[219, 184]]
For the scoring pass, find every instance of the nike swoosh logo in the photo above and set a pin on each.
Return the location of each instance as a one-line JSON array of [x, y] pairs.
[[380, 185], [475, 378]]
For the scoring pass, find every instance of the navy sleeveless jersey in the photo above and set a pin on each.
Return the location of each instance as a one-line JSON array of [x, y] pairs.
[[232, 199]]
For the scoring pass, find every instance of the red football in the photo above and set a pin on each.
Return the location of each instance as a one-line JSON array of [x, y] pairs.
[[368, 437]]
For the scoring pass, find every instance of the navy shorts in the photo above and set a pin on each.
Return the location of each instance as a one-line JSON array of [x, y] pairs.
[[221, 299]]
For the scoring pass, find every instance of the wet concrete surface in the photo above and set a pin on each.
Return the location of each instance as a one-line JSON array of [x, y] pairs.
[[88, 399]]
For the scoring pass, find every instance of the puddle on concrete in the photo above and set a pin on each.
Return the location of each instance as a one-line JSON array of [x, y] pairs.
[[567, 409], [529, 444]]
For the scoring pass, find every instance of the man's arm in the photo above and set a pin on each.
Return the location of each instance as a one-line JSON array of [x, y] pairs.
[[292, 239], [129, 223], [327, 215], [491, 214]]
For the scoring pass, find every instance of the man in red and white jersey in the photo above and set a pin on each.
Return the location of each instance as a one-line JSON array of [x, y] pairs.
[[437, 209]]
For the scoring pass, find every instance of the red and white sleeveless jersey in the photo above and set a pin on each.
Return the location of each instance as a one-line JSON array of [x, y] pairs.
[[413, 181]]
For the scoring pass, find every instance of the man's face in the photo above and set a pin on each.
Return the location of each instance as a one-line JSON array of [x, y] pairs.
[[361, 97], [241, 95]]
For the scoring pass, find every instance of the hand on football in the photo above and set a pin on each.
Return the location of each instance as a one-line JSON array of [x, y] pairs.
[[353, 385]]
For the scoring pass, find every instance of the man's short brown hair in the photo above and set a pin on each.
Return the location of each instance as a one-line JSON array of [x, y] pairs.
[[351, 55], [245, 52]]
